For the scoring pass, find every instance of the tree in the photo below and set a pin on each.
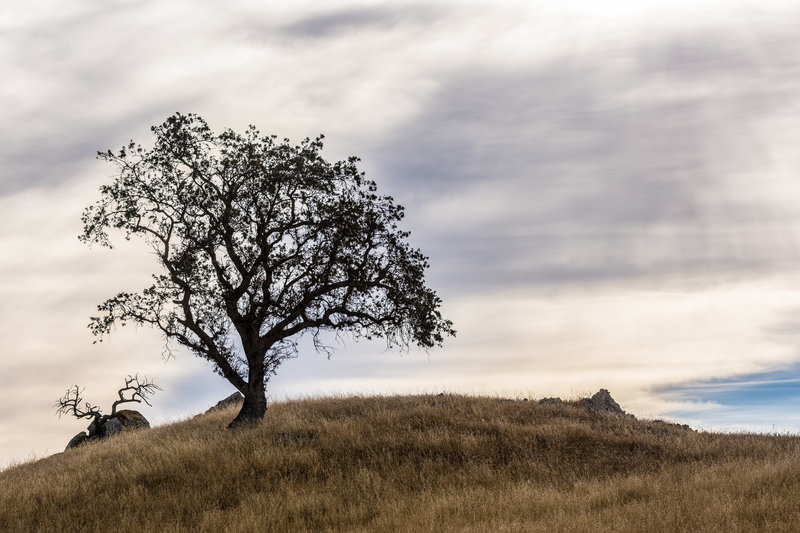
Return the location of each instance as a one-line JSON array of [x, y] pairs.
[[261, 242], [135, 390]]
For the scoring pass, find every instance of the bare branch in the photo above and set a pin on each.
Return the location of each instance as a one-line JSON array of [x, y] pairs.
[[140, 391], [69, 404], [135, 390]]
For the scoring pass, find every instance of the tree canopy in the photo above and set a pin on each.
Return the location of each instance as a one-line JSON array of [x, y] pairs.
[[260, 242]]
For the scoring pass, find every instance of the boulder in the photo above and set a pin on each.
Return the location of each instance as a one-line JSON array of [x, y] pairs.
[[77, 440], [112, 426], [553, 402], [603, 403], [234, 399], [124, 420], [130, 419], [94, 428]]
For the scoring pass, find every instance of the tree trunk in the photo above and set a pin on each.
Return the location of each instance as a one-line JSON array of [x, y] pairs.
[[255, 404]]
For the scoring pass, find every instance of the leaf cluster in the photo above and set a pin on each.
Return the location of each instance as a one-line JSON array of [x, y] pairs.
[[260, 241]]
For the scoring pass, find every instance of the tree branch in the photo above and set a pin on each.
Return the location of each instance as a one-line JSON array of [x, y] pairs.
[[140, 391]]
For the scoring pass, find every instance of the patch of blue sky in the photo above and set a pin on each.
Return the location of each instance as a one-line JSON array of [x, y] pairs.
[[761, 402]]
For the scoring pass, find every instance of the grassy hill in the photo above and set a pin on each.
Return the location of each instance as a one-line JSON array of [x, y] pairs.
[[412, 463]]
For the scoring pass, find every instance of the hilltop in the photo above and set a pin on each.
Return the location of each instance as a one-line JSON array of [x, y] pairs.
[[412, 463]]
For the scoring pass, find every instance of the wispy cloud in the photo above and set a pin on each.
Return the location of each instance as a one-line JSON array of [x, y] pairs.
[[609, 197], [350, 20]]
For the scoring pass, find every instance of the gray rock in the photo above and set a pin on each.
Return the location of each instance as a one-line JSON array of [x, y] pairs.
[[94, 428], [112, 426], [603, 403], [77, 440], [124, 420], [555, 402], [234, 399], [130, 419]]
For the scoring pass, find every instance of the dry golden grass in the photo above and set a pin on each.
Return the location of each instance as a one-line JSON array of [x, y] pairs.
[[412, 463]]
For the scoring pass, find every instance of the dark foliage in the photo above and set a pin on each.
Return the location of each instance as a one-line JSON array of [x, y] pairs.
[[260, 242]]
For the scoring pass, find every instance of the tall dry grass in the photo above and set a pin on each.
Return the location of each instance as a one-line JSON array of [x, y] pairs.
[[412, 463]]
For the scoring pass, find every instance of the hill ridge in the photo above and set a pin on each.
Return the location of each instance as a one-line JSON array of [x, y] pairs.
[[412, 463]]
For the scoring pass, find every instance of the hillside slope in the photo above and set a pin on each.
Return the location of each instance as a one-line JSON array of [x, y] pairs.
[[412, 463]]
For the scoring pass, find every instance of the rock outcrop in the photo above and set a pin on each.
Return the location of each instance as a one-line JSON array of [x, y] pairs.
[[603, 403], [77, 440], [112, 427], [234, 399], [553, 402], [125, 420], [600, 403], [100, 428]]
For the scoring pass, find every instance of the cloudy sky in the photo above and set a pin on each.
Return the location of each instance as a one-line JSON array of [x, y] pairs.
[[609, 192]]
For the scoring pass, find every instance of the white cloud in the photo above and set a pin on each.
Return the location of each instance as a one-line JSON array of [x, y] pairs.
[[632, 340], [608, 195]]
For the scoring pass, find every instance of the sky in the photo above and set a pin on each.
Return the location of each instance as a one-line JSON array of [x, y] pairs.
[[608, 193]]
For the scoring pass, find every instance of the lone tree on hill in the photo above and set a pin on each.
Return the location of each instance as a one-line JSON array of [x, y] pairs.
[[261, 242]]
